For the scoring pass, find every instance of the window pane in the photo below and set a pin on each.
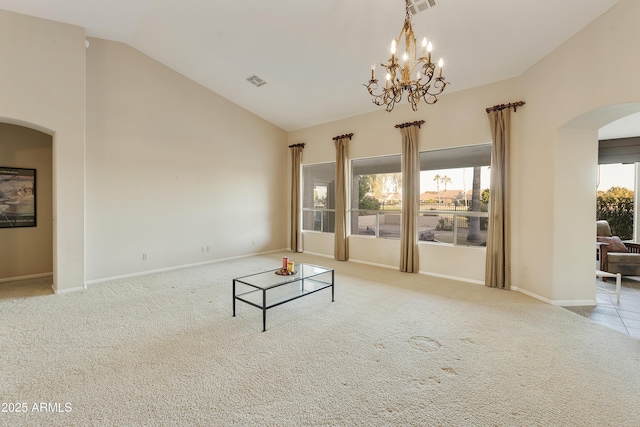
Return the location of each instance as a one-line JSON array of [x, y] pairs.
[[364, 223], [318, 197], [453, 188], [319, 186], [615, 198], [390, 225], [454, 180], [616, 175], [455, 228], [376, 200], [317, 220]]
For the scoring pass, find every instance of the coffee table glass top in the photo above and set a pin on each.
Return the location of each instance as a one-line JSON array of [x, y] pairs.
[[270, 279]]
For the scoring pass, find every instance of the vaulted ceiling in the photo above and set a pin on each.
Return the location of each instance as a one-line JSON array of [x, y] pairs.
[[315, 55]]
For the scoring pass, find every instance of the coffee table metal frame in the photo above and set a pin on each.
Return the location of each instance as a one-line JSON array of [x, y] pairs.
[[307, 280]]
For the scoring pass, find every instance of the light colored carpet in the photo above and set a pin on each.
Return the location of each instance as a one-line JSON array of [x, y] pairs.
[[393, 349]]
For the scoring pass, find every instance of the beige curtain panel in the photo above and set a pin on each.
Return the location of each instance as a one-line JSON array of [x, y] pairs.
[[498, 263], [296, 225], [341, 238], [410, 196]]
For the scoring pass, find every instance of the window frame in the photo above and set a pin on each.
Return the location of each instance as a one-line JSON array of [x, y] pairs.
[[457, 215], [325, 213], [355, 212]]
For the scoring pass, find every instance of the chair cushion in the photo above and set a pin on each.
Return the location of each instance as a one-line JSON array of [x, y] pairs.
[[614, 242], [620, 258], [603, 228], [625, 264]]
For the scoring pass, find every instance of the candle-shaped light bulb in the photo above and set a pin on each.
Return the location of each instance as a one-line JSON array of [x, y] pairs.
[[440, 64], [373, 71], [388, 76], [393, 46], [405, 57], [424, 46], [418, 75], [429, 49]]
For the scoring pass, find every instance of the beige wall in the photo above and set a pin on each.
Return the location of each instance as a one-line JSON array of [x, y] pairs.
[[192, 145], [28, 251], [457, 119], [583, 85], [42, 86], [570, 94], [172, 167]]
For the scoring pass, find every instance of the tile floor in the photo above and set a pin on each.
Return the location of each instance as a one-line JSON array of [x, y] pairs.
[[623, 316]]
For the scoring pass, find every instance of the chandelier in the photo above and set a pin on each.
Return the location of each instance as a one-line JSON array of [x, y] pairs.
[[399, 72]]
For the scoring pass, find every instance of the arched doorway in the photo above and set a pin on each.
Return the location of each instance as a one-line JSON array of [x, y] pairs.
[[27, 252], [575, 198]]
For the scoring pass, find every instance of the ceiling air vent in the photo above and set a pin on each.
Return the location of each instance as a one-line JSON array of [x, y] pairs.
[[417, 6], [257, 81]]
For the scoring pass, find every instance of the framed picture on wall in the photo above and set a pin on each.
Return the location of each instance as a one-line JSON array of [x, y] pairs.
[[17, 197]]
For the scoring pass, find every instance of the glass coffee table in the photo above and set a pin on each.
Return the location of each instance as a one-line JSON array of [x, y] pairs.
[[268, 289]]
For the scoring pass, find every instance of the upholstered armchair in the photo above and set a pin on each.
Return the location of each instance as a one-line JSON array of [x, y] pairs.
[[615, 255]]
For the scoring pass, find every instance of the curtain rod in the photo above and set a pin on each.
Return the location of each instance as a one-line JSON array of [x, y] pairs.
[[348, 135], [297, 145], [416, 123], [500, 107]]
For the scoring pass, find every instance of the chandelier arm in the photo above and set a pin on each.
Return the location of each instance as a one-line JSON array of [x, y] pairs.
[[439, 85], [378, 99], [413, 96], [413, 67]]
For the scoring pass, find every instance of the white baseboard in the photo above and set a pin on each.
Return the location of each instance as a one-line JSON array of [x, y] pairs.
[[318, 254], [30, 276], [176, 267], [567, 303], [456, 278], [66, 291], [375, 264], [562, 303], [531, 294], [426, 273], [575, 303]]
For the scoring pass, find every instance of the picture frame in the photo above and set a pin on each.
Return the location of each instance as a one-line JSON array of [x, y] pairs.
[[17, 197]]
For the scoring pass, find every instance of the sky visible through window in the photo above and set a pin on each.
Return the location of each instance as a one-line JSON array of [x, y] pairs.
[[613, 175], [461, 179], [616, 175]]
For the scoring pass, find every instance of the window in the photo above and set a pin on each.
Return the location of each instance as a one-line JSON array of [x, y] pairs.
[[615, 197], [376, 197], [618, 167], [318, 197], [454, 195]]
